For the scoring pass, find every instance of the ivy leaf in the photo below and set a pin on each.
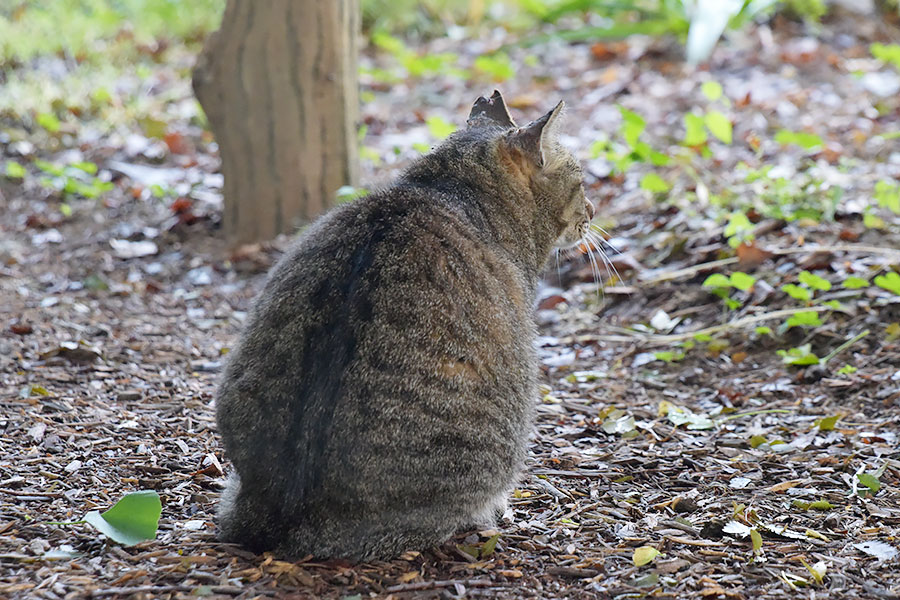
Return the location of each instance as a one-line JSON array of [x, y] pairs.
[[132, 520], [796, 292], [742, 281], [814, 281], [654, 183], [439, 127], [694, 134], [804, 318], [632, 126], [855, 283], [802, 355], [890, 282], [718, 125], [14, 170], [717, 280], [807, 141]]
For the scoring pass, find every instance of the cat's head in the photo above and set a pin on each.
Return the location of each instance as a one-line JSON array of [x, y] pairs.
[[534, 158]]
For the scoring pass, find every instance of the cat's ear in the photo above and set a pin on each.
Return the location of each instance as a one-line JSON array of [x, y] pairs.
[[490, 111], [537, 139]]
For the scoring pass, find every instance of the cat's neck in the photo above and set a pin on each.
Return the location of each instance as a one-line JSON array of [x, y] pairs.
[[504, 215]]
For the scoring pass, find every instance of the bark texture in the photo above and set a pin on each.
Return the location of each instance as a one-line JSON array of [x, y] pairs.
[[278, 84]]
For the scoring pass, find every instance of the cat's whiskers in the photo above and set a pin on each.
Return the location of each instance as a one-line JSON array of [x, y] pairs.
[[587, 244], [598, 244]]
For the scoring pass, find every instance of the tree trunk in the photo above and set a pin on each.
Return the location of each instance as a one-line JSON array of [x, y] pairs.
[[278, 83]]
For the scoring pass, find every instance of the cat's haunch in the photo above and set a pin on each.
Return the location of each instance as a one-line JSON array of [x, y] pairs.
[[381, 394]]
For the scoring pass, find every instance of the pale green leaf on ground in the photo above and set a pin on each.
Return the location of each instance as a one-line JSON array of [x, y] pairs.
[[718, 125], [14, 170], [654, 183], [801, 355], [869, 481], [855, 283], [814, 281], [804, 318], [796, 292], [132, 520], [807, 141], [889, 281], [742, 281], [712, 90], [756, 540], [717, 280], [644, 555]]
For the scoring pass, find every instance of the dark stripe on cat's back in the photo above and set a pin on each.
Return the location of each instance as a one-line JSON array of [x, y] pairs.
[[343, 303]]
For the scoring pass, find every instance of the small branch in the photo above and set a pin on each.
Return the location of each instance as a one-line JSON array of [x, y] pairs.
[[843, 347], [633, 336], [430, 585]]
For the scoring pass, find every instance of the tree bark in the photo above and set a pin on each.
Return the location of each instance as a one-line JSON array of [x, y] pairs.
[[278, 82]]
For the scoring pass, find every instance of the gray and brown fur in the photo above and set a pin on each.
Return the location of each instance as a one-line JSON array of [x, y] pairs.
[[381, 394]]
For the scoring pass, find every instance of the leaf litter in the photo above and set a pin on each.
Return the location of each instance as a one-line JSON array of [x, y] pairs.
[[746, 485]]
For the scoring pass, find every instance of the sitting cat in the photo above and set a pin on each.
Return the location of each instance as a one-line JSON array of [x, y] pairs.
[[381, 394]]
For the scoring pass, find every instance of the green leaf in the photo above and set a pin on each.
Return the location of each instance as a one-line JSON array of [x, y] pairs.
[[804, 318], [438, 127], [757, 440], [796, 292], [889, 281], [873, 221], [49, 122], [827, 423], [742, 281], [498, 66], [632, 126], [847, 370], [717, 280], [14, 170], [644, 555], [855, 283], [887, 195], [755, 540], [654, 183], [814, 281], [489, 546], [807, 141], [712, 90], [870, 481], [718, 125], [669, 356], [889, 53], [763, 330], [817, 505], [132, 520], [695, 134], [802, 355]]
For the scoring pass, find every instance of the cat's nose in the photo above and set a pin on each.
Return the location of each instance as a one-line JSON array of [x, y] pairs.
[[589, 208]]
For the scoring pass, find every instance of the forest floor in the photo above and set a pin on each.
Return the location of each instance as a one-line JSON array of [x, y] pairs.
[[669, 419]]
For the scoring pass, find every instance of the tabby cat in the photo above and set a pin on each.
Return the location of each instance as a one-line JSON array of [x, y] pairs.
[[382, 392]]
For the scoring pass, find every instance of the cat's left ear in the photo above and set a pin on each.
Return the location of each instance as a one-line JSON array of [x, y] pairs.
[[538, 139], [490, 111]]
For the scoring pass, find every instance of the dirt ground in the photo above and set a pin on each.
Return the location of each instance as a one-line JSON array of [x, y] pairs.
[[114, 320]]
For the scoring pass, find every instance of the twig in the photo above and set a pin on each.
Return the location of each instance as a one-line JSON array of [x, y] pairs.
[[654, 338], [844, 346], [430, 585], [230, 590], [687, 271]]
